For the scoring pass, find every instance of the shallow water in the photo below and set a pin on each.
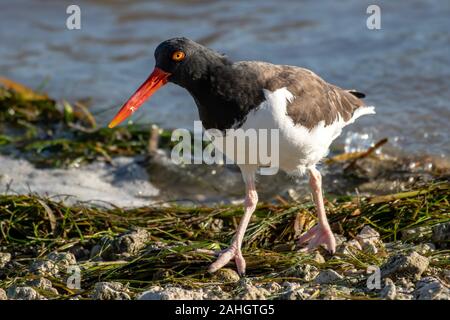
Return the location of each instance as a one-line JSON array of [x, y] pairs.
[[404, 68]]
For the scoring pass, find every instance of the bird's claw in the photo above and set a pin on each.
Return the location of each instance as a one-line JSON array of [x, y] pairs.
[[225, 256], [318, 235]]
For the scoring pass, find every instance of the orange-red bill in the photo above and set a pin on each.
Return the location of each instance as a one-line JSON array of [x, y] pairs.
[[156, 80]]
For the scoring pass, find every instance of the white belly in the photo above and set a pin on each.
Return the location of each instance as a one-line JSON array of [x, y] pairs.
[[298, 147]]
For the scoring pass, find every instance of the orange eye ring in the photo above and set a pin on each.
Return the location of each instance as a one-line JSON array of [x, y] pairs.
[[178, 56]]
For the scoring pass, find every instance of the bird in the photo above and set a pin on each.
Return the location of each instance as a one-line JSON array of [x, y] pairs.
[[308, 112]]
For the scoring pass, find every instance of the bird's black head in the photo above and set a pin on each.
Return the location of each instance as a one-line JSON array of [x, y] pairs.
[[178, 60], [186, 60]]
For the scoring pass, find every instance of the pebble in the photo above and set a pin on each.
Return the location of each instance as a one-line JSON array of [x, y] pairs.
[[369, 239], [415, 234], [251, 292], [5, 257], [430, 288], [389, 290], [53, 264], [3, 295], [293, 291], [172, 293], [123, 246], [328, 276], [441, 235], [317, 257], [348, 247], [272, 287], [410, 265], [227, 275], [307, 272], [43, 284], [110, 291], [24, 293]]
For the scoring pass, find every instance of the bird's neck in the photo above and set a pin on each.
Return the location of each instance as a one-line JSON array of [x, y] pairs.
[[224, 95]]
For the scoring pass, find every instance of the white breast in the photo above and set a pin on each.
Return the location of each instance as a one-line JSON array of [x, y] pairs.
[[299, 148]]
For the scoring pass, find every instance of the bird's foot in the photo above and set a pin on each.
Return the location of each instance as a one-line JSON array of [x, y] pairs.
[[226, 256], [319, 235]]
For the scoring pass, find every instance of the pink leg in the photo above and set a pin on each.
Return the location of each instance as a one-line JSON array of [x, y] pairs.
[[321, 233], [234, 251]]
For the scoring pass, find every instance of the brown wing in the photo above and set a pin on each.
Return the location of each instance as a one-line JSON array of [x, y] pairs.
[[315, 100]]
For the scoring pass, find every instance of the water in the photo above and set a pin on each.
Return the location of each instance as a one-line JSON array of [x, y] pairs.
[[404, 68]]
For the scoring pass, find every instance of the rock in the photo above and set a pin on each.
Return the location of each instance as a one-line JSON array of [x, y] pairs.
[[251, 292], [3, 295], [162, 274], [215, 293], [307, 272], [416, 234], [293, 291], [369, 239], [44, 268], [441, 235], [110, 291], [366, 234], [123, 246], [43, 284], [425, 248], [5, 257], [24, 293], [340, 239], [62, 259], [216, 225], [328, 276], [272, 287], [331, 292], [172, 293], [53, 264], [389, 290], [446, 275], [131, 242], [80, 252], [410, 265], [227, 275], [317, 257], [430, 288], [348, 247], [405, 285]]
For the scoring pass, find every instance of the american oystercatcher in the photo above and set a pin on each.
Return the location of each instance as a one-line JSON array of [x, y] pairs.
[[308, 112]]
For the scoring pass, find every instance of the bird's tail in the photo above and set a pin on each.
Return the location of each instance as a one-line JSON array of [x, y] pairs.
[[357, 94]]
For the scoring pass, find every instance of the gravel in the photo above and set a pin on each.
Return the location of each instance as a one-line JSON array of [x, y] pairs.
[[24, 293], [227, 275], [110, 291], [3, 295], [251, 292], [123, 246], [53, 264], [43, 284], [441, 235], [5, 257], [172, 293], [328, 276], [410, 265], [389, 290], [430, 288]]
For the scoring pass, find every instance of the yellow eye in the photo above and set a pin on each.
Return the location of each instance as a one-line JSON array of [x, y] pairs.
[[178, 56]]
